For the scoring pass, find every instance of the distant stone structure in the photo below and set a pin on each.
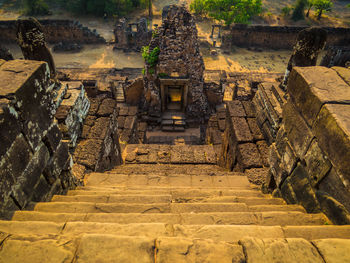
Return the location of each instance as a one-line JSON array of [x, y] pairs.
[[131, 36], [176, 82], [31, 39], [309, 44]]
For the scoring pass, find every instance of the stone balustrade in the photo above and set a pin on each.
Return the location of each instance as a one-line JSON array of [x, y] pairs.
[[34, 160], [310, 154]]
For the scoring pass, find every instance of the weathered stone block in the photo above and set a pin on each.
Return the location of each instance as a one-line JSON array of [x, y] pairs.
[[257, 175], [235, 109], [57, 163], [280, 250], [101, 128], [88, 152], [312, 87], [303, 191], [130, 122], [288, 192], [264, 152], [271, 105], [261, 118], [123, 111], [9, 128], [52, 138], [332, 130], [240, 129], [249, 109], [288, 158], [317, 163], [334, 210], [334, 186], [18, 78], [41, 190], [132, 110], [107, 107], [297, 131], [255, 130], [269, 132], [35, 168], [94, 105], [14, 163], [222, 124], [276, 168], [90, 120], [36, 125], [344, 73], [248, 156]]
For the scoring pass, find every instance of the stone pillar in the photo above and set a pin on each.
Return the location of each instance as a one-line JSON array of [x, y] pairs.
[[31, 39], [309, 44]]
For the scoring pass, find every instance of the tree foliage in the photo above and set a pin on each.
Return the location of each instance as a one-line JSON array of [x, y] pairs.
[[298, 12], [322, 6], [150, 57], [36, 7], [229, 11]]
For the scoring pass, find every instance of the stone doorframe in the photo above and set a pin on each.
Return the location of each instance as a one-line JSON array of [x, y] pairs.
[[165, 82]]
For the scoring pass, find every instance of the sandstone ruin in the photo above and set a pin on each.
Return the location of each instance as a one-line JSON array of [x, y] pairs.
[[179, 164]]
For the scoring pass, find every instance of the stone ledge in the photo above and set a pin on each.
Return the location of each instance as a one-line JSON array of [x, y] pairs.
[[332, 129], [312, 87]]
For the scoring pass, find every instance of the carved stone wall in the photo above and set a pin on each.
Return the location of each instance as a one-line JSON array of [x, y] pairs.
[[131, 36], [34, 160], [55, 31], [310, 153], [279, 37]]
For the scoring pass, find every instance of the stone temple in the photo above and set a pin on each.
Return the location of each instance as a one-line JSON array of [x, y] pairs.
[[177, 163]]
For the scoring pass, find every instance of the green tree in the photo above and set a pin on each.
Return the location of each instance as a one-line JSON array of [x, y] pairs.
[[36, 7], [299, 9], [310, 4], [322, 6], [229, 11]]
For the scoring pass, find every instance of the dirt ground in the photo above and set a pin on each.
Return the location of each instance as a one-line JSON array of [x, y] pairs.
[[240, 60]]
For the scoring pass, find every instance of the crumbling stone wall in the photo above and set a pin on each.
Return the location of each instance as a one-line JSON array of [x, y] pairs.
[[34, 160], [55, 31], [279, 37], [128, 39], [244, 148], [88, 118], [179, 57], [310, 153]]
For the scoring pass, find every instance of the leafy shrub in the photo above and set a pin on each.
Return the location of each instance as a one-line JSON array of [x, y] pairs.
[[35, 7], [286, 10], [150, 57], [229, 11], [298, 12]]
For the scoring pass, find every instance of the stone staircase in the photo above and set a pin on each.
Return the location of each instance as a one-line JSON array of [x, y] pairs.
[[173, 121], [170, 213]]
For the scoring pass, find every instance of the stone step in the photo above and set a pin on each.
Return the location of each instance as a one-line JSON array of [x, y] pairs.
[[162, 169], [207, 181], [215, 218], [196, 169], [148, 199], [180, 193], [141, 249], [217, 233], [86, 207]]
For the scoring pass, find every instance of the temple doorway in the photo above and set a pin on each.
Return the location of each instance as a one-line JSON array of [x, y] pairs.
[[174, 94], [174, 98]]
